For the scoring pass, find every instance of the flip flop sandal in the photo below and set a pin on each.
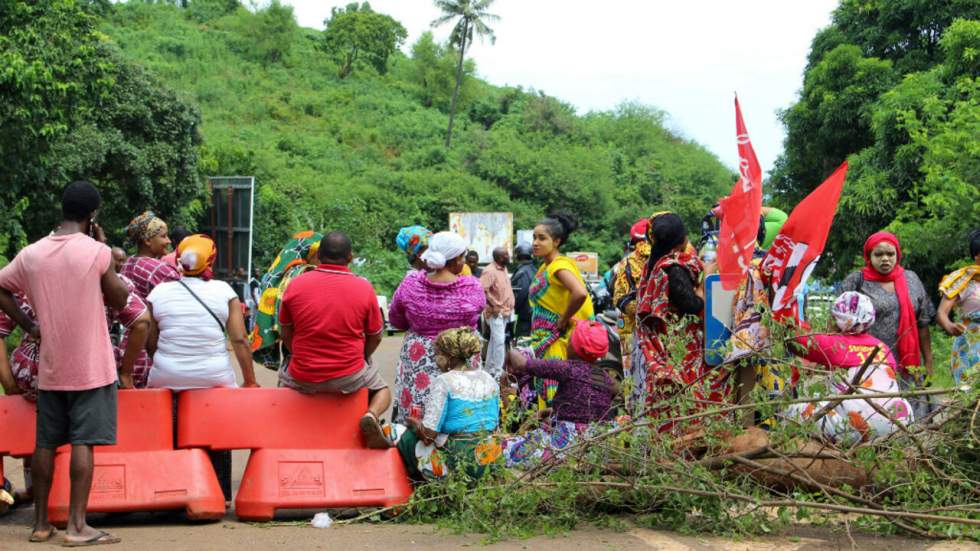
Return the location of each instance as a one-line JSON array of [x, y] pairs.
[[41, 539], [102, 538], [374, 435]]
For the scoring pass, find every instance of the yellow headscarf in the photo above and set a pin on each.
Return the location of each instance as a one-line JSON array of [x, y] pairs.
[[197, 253]]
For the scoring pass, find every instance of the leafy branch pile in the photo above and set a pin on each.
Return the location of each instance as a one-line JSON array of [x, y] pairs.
[[709, 474], [722, 479]]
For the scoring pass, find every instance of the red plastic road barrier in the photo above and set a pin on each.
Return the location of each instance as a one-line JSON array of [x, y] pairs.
[[18, 418], [252, 418], [307, 450], [306, 479], [159, 480], [143, 472], [144, 423]]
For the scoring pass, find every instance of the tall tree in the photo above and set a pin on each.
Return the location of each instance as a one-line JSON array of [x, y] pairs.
[[357, 33], [71, 107], [471, 16], [892, 87]]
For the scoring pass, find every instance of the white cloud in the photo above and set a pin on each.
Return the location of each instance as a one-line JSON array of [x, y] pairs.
[[685, 57]]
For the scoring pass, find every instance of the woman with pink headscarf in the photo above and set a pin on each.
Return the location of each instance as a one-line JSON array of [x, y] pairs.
[[844, 353], [584, 398]]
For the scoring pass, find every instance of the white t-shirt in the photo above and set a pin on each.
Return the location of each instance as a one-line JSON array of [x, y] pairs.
[[191, 350]]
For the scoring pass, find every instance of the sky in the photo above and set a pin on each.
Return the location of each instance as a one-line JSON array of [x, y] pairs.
[[686, 57]]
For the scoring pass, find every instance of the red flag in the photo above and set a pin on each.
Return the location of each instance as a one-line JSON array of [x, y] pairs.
[[740, 211], [796, 250]]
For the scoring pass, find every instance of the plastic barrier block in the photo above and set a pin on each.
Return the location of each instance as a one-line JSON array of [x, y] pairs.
[[252, 418], [160, 480], [303, 479], [144, 421], [18, 419]]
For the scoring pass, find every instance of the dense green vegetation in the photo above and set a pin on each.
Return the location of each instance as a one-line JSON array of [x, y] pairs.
[[357, 33], [74, 107], [364, 153], [893, 87], [342, 131]]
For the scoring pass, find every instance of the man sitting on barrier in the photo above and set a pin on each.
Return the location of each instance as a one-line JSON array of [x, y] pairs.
[[76, 401], [332, 324]]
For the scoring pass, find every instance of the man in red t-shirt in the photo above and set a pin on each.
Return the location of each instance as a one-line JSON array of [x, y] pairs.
[[332, 324]]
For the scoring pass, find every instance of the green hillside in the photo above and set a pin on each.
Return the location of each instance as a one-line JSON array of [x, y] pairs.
[[365, 153]]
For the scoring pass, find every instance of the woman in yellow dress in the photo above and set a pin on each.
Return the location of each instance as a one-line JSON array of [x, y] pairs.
[[558, 296]]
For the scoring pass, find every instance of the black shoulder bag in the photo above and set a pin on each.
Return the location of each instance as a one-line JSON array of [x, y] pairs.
[[631, 295]]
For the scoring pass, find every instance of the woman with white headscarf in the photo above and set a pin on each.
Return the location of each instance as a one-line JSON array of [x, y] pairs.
[[427, 303], [844, 353]]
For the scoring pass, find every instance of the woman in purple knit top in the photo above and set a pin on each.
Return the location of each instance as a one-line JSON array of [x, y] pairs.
[[584, 401], [426, 304]]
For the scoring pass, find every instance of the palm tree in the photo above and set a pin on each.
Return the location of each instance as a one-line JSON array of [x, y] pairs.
[[470, 16]]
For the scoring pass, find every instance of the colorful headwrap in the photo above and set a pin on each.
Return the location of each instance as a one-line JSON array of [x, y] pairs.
[[589, 340], [145, 226], [955, 283], [412, 239], [853, 312], [458, 345], [298, 255], [196, 254]]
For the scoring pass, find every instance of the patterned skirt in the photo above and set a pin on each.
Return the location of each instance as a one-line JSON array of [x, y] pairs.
[[637, 375], [542, 444], [546, 344], [966, 349], [524, 451], [473, 453], [417, 370]]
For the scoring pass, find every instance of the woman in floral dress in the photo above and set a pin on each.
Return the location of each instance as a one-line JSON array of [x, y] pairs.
[[960, 291], [669, 316], [426, 304]]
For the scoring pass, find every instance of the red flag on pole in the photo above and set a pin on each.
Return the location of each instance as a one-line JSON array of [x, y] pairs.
[[796, 250], [740, 211]]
